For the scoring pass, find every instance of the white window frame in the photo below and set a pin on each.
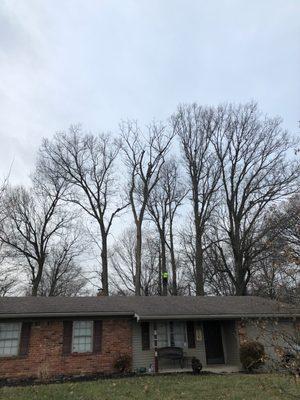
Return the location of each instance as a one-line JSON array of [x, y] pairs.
[[92, 336], [167, 323], [18, 329]]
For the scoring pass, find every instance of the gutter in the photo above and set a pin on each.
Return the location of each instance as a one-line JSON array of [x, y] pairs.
[[212, 317], [146, 317], [69, 314]]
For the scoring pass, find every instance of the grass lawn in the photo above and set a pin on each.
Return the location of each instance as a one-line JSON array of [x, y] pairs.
[[206, 387]]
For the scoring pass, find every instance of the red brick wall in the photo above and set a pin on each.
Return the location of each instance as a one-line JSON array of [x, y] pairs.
[[45, 357]]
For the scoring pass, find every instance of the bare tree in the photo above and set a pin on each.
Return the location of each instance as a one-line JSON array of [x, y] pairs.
[[63, 276], [276, 280], [86, 163], [218, 282], [195, 126], [163, 204], [255, 173], [123, 264], [286, 217], [8, 273], [3, 188], [144, 158], [32, 220], [8, 278], [8, 281], [277, 275], [188, 255], [158, 209]]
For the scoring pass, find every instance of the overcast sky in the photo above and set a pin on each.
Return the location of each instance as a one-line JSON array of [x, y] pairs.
[[96, 62]]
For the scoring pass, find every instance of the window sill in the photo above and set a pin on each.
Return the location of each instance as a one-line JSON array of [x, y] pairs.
[[87, 353], [18, 357]]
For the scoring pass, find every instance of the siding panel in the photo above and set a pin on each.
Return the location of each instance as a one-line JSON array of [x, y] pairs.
[[141, 358], [230, 343], [270, 334], [145, 358]]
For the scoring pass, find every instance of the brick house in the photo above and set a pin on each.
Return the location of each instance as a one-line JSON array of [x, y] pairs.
[[55, 336]]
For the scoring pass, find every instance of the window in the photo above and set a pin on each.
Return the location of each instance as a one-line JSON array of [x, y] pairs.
[[82, 336], [172, 333], [162, 334], [9, 339], [178, 334]]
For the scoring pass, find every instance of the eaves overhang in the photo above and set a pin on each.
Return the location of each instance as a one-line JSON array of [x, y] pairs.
[[212, 316], [66, 315]]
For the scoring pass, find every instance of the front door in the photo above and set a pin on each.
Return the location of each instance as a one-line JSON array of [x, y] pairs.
[[213, 342]]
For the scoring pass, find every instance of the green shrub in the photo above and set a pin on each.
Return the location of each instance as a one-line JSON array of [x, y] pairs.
[[252, 355], [123, 363]]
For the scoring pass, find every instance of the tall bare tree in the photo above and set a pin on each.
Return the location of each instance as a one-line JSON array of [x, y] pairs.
[[256, 171], [277, 274], [87, 164], [8, 278], [32, 220], [217, 281], [123, 264], [286, 218], [188, 255], [3, 187], [195, 126], [163, 204], [63, 275], [144, 157]]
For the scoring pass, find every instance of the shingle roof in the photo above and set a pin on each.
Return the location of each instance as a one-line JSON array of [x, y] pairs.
[[145, 307]]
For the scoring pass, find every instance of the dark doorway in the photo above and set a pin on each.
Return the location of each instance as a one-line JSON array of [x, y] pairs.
[[213, 342]]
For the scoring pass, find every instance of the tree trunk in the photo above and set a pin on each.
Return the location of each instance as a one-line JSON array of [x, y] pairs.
[[138, 259], [198, 244], [36, 281], [199, 269], [239, 271], [240, 289], [34, 289], [52, 288], [104, 260], [173, 261], [240, 283], [199, 260], [163, 260], [159, 274]]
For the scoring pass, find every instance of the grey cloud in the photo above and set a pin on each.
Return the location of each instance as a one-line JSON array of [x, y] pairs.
[[97, 62]]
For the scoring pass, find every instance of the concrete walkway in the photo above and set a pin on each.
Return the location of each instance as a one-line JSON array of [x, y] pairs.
[[215, 369], [222, 369]]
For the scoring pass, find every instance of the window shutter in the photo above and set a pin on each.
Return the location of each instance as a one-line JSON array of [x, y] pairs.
[[97, 345], [145, 335], [67, 337], [25, 337], [190, 329]]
